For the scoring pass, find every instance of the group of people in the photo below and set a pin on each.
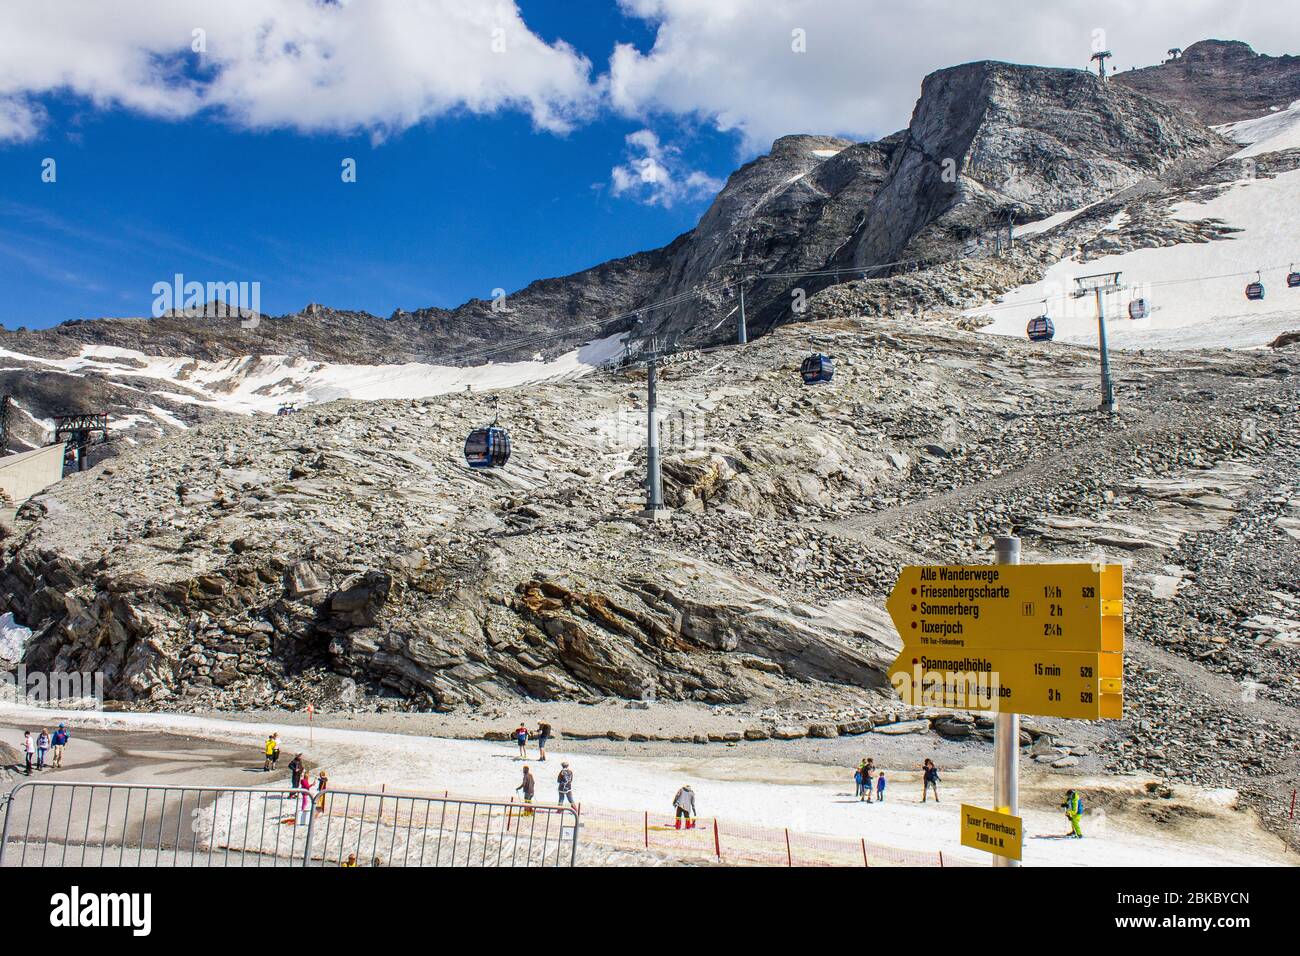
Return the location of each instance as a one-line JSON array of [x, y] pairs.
[[542, 734], [869, 781], [301, 787], [563, 782], [45, 750]]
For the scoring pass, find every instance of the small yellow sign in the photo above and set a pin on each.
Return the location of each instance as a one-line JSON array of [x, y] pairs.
[[991, 831]]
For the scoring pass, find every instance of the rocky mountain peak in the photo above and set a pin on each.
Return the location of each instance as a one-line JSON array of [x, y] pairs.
[[1218, 51], [1219, 81], [990, 137]]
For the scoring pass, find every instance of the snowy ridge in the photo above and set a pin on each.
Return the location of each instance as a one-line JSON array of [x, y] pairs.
[[252, 384], [1268, 134]]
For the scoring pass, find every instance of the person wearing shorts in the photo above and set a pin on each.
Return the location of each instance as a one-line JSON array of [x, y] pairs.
[[543, 736]]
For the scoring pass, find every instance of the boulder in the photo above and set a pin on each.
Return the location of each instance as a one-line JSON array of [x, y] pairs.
[[788, 732], [903, 727], [954, 728], [823, 730], [852, 728], [302, 579]]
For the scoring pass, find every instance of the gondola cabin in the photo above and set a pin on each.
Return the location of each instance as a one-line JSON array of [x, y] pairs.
[[1138, 309], [1040, 329], [1255, 291], [487, 447], [817, 369], [1293, 280]]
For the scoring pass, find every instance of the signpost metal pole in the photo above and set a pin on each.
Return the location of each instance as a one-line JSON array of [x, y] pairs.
[[1006, 729], [654, 501]]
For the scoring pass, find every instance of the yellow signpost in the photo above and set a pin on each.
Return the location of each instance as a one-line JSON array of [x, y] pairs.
[[1068, 607], [991, 831], [1043, 639], [1046, 683], [1010, 639]]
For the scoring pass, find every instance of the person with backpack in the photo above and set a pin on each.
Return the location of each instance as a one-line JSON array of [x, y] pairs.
[[59, 740], [857, 783], [868, 779], [684, 804], [565, 782], [880, 787], [272, 753], [521, 738], [1073, 807], [929, 780], [295, 771], [543, 735]]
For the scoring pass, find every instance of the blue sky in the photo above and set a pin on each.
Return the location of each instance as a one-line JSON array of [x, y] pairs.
[[444, 211], [600, 128]]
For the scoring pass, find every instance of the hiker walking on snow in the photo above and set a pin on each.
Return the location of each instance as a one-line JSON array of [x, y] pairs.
[[1073, 807], [304, 799], [272, 753], [59, 740], [543, 735], [42, 748], [322, 784], [528, 785], [929, 780], [565, 783], [521, 738], [684, 804]]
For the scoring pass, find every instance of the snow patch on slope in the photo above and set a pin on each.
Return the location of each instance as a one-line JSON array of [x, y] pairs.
[[250, 384], [1196, 289], [1268, 134]]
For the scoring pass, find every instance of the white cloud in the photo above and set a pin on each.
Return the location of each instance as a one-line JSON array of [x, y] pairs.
[[298, 64], [19, 119], [653, 174], [731, 62], [383, 65]]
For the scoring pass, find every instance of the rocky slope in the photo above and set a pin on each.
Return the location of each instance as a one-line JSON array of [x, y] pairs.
[[345, 556], [1219, 81], [990, 143], [1020, 141]]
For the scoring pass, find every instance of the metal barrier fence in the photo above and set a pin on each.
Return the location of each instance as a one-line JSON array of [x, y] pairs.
[[98, 824], [731, 843]]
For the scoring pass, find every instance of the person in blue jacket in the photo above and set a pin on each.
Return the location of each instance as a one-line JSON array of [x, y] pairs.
[[59, 740]]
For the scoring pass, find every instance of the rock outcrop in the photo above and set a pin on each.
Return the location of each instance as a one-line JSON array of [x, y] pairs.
[[1219, 81]]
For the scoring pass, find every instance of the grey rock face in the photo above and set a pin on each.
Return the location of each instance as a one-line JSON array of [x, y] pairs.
[[1219, 81], [990, 139]]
